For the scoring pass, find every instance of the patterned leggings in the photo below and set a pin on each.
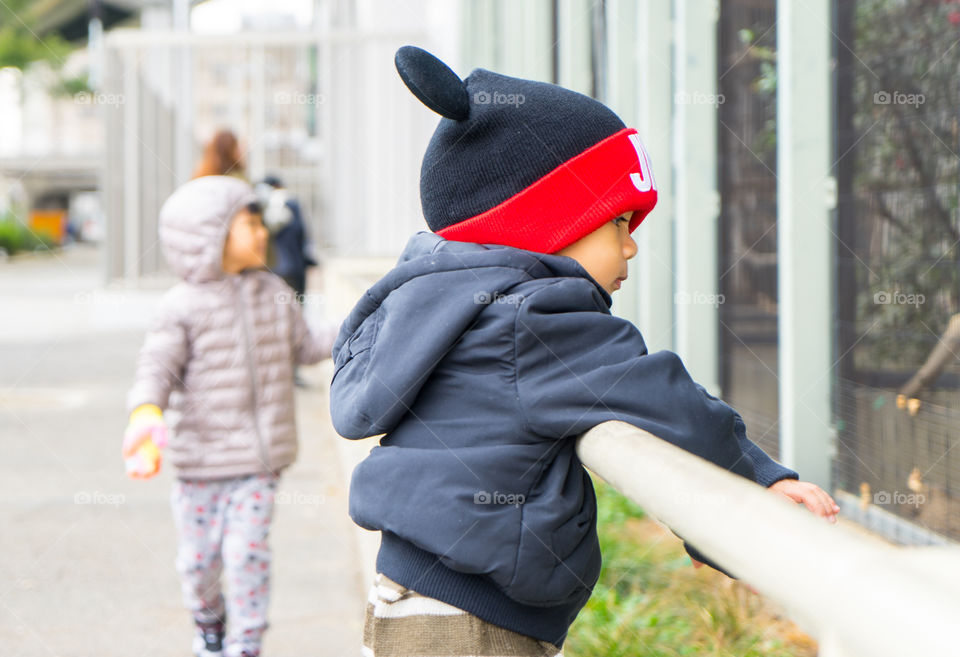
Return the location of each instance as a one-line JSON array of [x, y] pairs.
[[222, 528]]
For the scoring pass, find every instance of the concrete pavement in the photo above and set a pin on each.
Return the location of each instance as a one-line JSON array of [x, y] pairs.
[[87, 554]]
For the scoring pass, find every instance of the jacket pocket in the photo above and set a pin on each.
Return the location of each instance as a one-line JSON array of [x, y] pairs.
[[558, 557]]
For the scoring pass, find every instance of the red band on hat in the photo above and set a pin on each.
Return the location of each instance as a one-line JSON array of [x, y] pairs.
[[605, 181]]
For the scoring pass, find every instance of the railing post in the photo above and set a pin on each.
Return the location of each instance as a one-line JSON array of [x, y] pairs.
[[804, 237], [697, 200]]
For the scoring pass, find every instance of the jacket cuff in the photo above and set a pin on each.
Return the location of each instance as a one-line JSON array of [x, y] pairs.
[[696, 554], [768, 472]]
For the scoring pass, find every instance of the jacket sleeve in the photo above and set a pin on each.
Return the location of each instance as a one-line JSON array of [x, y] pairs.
[[578, 366], [311, 346], [767, 472], [161, 360]]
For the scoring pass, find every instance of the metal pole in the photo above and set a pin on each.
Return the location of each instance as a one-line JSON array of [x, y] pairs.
[[654, 266], [697, 200], [804, 237]]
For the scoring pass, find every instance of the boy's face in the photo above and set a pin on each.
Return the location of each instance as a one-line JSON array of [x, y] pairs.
[[604, 252], [246, 245]]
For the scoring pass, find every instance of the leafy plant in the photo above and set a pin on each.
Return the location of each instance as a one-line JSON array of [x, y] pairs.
[[15, 236], [650, 602], [20, 43]]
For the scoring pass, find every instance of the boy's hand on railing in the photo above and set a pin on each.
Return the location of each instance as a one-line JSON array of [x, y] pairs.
[[812, 496]]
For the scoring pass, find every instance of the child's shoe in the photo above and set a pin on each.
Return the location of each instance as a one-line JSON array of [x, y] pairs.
[[209, 640]]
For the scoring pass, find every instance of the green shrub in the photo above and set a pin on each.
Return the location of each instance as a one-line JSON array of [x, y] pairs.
[[15, 236], [651, 602]]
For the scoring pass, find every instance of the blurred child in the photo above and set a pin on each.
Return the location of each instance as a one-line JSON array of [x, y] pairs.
[[487, 350], [220, 354]]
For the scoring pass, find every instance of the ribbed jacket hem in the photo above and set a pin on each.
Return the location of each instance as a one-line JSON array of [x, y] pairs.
[[422, 571]]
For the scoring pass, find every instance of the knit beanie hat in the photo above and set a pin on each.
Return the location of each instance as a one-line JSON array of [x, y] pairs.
[[522, 163]]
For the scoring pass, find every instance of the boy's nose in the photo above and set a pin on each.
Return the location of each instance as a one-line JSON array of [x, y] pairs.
[[629, 248]]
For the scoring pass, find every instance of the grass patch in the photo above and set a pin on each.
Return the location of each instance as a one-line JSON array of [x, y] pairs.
[[651, 602]]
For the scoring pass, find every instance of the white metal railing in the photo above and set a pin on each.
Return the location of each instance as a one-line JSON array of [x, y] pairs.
[[857, 596]]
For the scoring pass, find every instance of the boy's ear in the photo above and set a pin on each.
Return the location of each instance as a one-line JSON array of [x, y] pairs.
[[432, 81]]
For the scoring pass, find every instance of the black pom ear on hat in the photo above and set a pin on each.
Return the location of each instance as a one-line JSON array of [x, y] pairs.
[[432, 81]]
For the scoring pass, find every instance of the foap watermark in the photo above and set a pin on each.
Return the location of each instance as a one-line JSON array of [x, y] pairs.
[[299, 499], [498, 498], [883, 497], [97, 98], [486, 298], [698, 298], [99, 498], [898, 98], [297, 98], [698, 98], [282, 298], [898, 298], [498, 98]]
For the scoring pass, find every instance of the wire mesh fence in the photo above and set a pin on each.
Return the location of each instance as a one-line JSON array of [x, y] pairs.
[[897, 259], [748, 186]]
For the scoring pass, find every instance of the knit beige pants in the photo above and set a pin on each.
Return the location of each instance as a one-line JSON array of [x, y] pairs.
[[402, 623]]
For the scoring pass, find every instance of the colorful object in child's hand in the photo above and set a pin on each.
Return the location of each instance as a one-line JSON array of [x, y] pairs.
[[145, 462], [145, 435]]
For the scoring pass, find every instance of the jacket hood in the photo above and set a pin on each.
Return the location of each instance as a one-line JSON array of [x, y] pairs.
[[406, 323], [194, 223]]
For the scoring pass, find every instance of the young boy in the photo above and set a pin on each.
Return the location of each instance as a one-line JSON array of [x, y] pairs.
[[487, 350], [221, 355]]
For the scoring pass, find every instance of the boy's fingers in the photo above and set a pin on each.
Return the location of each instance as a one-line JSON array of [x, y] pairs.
[[820, 503], [817, 500], [828, 503]]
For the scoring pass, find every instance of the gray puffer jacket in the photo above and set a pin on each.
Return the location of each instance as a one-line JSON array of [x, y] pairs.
[[222, 347]]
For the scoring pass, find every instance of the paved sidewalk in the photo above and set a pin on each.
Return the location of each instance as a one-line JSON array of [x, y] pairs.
[[87, 564]]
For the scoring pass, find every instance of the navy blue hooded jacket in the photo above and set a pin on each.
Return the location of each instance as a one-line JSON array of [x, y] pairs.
[[481, 364]]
